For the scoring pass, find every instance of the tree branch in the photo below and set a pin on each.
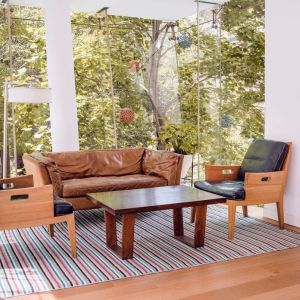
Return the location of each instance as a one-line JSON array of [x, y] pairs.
[[180, 96]]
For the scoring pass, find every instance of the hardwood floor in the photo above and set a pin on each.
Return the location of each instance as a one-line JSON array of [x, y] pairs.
[[274, 275]]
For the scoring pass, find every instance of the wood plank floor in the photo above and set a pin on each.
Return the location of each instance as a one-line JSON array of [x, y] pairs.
[[274, 275]]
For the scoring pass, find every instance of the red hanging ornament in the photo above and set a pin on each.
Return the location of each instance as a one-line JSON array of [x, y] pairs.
[[127, 115], [134, 66]]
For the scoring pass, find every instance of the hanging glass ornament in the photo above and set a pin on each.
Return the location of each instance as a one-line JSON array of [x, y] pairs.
[[134, 66], [226, 121], [184, 40], [127, 115]]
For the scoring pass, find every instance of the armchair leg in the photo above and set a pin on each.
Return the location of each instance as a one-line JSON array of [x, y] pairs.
[[72, 235], [193, 213], [280, 213], [231, 218], [51, 230], [245, 211]]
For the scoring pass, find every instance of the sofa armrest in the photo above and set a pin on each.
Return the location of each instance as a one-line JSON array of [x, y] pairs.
[[37, 168], [56, 181], [19, 182], [164, 164], [220, 173], [44, 171]]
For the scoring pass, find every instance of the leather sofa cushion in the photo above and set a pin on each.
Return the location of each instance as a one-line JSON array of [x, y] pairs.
[[161, 163], [264, 156], [79, 187], [62, 207], [231, 189], [95, 163]]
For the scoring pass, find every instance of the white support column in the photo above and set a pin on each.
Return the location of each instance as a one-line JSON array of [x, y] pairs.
[[283, 94], [63, 109]]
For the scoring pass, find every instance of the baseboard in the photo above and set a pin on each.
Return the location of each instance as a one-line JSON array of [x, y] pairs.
[[270, 212]]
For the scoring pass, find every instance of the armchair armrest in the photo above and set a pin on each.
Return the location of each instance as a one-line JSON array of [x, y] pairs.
[[39, 194], [23, 206], [220, 173], [19, 182], [265, 179], [269, 184]]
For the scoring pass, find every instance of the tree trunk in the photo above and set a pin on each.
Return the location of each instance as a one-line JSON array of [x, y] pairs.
[[155, 56]]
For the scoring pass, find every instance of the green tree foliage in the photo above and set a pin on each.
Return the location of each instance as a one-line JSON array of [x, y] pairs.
[[231, 81]]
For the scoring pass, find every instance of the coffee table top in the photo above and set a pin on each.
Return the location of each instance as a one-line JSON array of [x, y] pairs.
[[151, 199]]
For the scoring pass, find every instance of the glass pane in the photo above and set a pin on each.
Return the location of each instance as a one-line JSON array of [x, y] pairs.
[[155, 74]]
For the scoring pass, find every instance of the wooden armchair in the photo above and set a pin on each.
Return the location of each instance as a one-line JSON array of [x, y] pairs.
[[28, 206], [244, 187]]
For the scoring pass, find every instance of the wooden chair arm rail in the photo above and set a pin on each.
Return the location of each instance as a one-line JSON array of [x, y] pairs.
[[45, 193], [218, 173], [19, 182], [271, 193], [265, 179]]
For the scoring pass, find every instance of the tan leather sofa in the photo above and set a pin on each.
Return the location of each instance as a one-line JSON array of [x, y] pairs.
[[74, 174]]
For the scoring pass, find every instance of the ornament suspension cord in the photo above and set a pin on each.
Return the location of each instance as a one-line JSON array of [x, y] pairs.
[[176, 57], [176, 54], [9, 28], [112, 94], [100, 19], [198, 92]]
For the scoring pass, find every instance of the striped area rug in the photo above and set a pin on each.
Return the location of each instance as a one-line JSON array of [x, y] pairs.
[[31, 261]]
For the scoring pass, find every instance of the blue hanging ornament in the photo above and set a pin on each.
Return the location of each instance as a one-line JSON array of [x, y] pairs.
[[184, 40], [226, 121]]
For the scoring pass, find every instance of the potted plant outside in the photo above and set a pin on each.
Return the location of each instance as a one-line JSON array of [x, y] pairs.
[[182, 139]]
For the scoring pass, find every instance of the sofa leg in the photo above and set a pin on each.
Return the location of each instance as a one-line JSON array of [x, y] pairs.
[[51, 230], [231, 218], [280, 214], [245, 211]]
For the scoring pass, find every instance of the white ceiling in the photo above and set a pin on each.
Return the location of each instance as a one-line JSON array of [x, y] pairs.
[[167, 10]]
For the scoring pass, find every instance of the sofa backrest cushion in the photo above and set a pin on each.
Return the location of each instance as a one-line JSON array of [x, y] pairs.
[[82, 164], [163, 164], [264, 156]]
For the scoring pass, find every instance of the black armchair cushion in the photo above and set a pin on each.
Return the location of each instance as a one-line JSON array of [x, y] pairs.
[[62, 207], [231, 189], [264, 156]]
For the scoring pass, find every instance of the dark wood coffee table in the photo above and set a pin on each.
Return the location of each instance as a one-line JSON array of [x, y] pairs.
[[128, 203]]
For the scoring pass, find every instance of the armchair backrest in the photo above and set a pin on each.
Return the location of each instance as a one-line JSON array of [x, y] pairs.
[[265, 156], [24, 204], [19, 182], [286, 163]]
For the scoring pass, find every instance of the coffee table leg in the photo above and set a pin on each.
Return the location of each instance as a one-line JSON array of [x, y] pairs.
[[200, 225], [111, 230], [128, 236], [178, 221]]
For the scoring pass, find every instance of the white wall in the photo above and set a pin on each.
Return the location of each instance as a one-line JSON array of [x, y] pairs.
[[283, 93]]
